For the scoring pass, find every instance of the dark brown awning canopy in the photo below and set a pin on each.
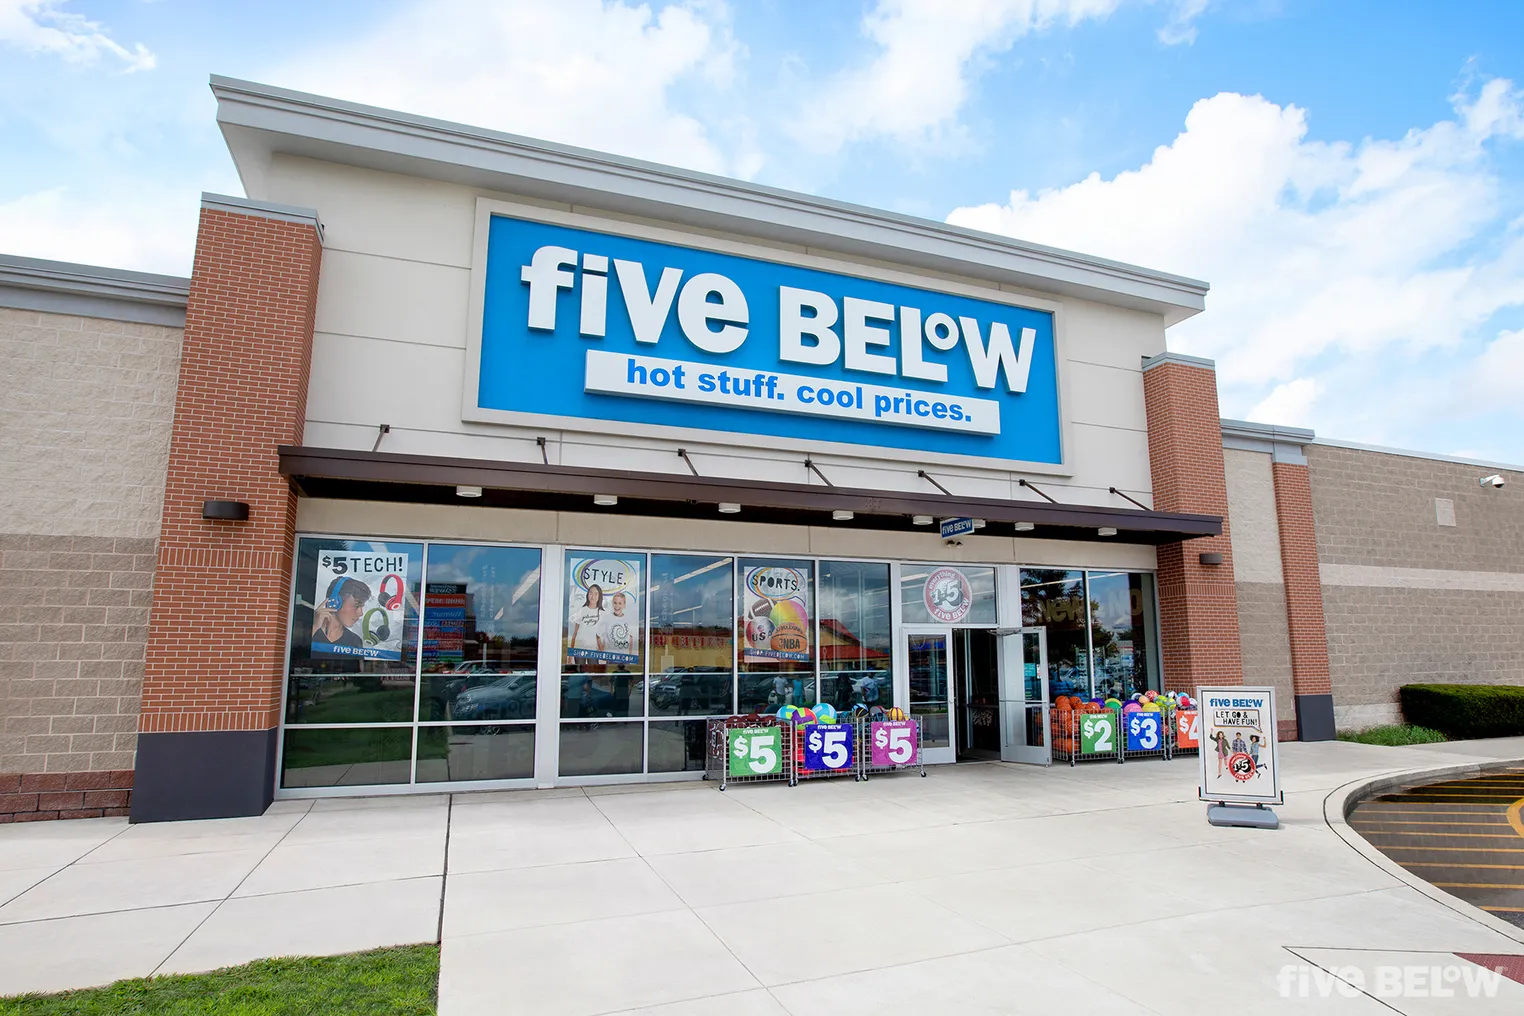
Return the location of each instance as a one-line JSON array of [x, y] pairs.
[[386, 476]]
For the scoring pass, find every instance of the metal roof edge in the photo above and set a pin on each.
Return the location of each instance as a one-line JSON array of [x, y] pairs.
[[1408, 453], [61, 287]]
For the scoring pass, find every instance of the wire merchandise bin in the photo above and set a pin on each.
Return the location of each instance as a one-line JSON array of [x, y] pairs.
[[829, 742], [1190, 718], [1086, 737], [882, 741], [1144, 734], [749, 749]]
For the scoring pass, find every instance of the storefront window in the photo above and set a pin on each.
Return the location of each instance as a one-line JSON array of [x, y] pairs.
[[942, 594], [347, 756], [775, 629], [475, 751], [676, 746], [481, 627], [1121, 633], [354, 632], [601, 749], [603, 635], [692, 644], [1055, 599], [855, 635]]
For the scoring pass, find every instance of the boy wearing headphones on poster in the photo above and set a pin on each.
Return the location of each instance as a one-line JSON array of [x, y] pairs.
[[334, 619]]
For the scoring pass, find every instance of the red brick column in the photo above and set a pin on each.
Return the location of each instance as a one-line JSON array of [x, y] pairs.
[[1310, 679], [216, 634], [1198, 606]]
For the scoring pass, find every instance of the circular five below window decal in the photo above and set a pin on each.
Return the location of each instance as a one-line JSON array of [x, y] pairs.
[[948, 595]]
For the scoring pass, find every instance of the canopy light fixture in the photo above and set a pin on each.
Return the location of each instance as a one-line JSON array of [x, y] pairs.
[[1106, 531], [978, 523], [922, 520], [727, 508], [464, 491], [841, 515], [1210, 558], [1025, 527], [605, 500]]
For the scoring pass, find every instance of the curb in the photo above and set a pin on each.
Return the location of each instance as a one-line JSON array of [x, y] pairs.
[[1340, 801]]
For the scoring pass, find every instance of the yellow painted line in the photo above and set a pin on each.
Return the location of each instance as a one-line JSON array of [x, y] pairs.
[[1477, 885], [1447, 864], [1474, 850], [1505, 910], [1384, 822], [1458, 836], [1514, 818]]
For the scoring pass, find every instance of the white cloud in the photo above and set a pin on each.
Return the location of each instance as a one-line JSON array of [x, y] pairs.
[[148, 230], [1181, 27], [579, 72], [42, 26], [919, 77], [1497, 377], [1289, 404], [1348, 257]]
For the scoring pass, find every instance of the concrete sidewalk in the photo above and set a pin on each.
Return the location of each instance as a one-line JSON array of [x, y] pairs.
[[982, 889]]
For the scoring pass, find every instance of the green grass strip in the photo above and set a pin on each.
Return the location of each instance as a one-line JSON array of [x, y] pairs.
[[1393, 735], [402, 981]]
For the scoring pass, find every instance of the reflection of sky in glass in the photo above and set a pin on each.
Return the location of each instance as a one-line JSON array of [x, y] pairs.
[[690, 592], [503, 582], [856, 596]]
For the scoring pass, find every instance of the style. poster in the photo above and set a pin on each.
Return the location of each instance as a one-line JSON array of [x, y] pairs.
[[359, 600], [603, 610]]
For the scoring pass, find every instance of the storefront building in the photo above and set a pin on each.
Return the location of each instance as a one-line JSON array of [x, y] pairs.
[[467, 461]]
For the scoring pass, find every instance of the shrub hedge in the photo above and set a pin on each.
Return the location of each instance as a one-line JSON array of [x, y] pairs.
[[1465, 710]]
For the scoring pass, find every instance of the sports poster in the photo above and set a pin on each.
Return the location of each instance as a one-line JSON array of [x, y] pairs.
[[603, 619], [1238, 763], [775, 614], [359, 600]]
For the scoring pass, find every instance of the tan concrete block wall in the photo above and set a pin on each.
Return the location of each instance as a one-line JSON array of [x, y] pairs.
[[1266, 645], [1407, 600], [86, 407], [75, 612]]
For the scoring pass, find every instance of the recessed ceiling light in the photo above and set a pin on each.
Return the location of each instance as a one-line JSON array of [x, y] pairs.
[[605, 499], [921, 520], [1025, 527], [463, 491], [841, 515], [726, 508]]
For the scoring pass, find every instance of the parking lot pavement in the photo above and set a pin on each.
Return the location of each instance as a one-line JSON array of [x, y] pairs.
[[982, 888]]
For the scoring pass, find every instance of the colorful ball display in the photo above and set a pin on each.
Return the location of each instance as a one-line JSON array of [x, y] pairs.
[[789, 714], [825, 712], [805, 715], [895, 714]]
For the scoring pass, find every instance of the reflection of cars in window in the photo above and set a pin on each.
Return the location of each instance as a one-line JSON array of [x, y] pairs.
[[508, 698], [688, 695]]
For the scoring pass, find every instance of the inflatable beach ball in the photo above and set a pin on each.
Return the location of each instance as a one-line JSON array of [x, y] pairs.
[[805, 715], [789, 714], [825, 712], [895, 714]]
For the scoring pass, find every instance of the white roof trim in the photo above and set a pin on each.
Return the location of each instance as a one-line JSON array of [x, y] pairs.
[[259, 121]]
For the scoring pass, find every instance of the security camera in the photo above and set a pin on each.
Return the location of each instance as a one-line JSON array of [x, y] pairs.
[[1495, 480]]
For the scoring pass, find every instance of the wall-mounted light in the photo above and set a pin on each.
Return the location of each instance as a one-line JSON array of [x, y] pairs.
[[1106, 531], [605, 500], [225, 511], [1025, 527], [727, 508], [465, 491], [922, 520], [841, 515], [1210, 558]]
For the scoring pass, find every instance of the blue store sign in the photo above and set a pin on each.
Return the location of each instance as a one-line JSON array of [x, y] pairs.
[[614, 329]]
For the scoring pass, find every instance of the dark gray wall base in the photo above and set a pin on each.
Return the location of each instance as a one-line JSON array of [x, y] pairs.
[[1314, 718], [203, 774]]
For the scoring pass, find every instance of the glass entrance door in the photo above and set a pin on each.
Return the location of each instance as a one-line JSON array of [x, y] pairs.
[[928, 662], [1024, 700]]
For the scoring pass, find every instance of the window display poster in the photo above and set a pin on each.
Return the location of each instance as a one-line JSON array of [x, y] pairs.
[[1238, 763], [603, 610], [775, 614], [359, 599]]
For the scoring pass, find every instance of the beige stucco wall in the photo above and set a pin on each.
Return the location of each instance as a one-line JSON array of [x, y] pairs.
[[86, 406], [1258, 580], [394, 294]]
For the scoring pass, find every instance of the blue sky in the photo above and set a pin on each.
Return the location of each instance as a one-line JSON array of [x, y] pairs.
[[1349, 177]]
